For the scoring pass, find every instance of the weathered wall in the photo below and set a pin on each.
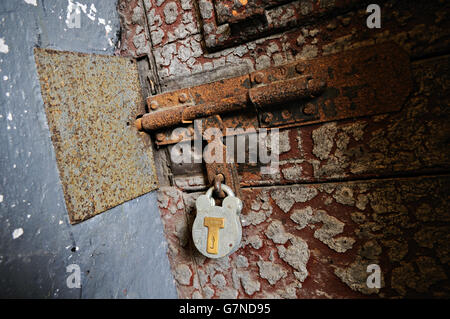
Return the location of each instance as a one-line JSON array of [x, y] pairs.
[[121, 252], [348, 193], [316, 241]]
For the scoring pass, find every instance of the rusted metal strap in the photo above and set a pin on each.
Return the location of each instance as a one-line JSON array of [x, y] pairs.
[[218, 180], [227, 170], [100, 166], [285, 91], [264, 96], [361, 82], [183, 114]]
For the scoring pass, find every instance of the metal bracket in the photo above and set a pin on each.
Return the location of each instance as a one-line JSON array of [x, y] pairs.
[[90, 101], [334, 87], [214, 169], [270, 94]]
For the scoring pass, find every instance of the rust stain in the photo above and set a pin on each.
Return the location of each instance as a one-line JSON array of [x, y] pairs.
[[328, 88], [91, 102], [360, 82], [227, 170]]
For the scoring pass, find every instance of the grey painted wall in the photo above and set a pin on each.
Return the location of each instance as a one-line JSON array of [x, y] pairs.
[[122, 252]]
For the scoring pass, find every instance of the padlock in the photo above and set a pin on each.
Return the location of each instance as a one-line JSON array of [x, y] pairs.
[[217, 230]]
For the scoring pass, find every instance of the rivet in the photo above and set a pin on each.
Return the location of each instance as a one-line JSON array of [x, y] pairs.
[[160, 137], [286, 114], [182, 98], [309, 109], [258, 78], [310, 82], [267, 117], [300, 68], [154, 105]]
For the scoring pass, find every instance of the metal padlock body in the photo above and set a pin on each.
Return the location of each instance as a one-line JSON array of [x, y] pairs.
[[229, 237]]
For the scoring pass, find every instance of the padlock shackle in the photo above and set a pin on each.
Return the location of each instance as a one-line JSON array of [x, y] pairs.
[[224, 187]]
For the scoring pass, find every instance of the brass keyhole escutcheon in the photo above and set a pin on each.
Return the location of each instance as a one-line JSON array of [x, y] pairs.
[[213, 224]]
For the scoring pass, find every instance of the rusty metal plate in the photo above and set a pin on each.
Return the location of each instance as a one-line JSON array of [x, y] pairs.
[[360, 82], [226, 90], [356, 83], [91, 102], [201, 94]]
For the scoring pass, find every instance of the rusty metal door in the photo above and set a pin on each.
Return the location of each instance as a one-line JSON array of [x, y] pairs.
[[362, 179]]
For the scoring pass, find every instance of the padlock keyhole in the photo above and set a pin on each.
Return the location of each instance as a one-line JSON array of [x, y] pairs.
[[212, 241]]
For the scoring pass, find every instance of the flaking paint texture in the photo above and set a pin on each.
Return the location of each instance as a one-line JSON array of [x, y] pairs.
[[349, 193]]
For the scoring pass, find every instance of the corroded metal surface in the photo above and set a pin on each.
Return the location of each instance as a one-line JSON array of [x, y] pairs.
[[284, 91], [186, 114], [91, 102], [265, 96], [413, 140], [360, 82], [213, 169], [201, 94], [183, 105]]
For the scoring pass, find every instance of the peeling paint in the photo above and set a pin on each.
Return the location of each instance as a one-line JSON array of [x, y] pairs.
[[285, 199], [296, 255], [271, 271], [355, 276], [3, 46], [276, 232], [17, 233], [32, 2]]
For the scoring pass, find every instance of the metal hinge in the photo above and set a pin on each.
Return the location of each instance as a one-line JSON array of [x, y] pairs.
[[360, 82], [273, 93]]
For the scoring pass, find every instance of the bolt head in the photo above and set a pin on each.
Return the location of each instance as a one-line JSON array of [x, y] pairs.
[[300, 68], [182, 98], [154, 105], [309, 109], [286, 114], [258, 78], [267, 117], [160, 137]]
